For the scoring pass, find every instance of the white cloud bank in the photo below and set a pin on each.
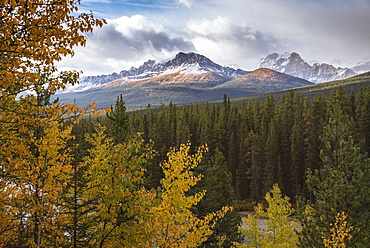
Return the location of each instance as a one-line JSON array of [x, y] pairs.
[[230, 42], [125, 42], [228, 32], [129, 41]]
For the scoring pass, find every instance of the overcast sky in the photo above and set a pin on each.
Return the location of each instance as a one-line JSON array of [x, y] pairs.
[[226, 31]]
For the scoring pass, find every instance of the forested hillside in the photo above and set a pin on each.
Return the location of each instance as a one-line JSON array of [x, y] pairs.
[[274, 140], [302, 145]]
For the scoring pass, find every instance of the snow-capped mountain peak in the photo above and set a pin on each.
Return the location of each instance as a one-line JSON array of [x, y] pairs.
[[192, 60], [280, 62], [362, 66], [184, 63], [293, 64]]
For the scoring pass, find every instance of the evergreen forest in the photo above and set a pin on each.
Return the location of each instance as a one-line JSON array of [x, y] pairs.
[[263, 142], [289, 141]]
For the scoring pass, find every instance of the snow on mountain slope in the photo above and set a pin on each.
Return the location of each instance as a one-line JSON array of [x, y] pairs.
[[181, 87], [341, 63], [363, 66], [184, 63], [94, 81], [275, 61], [292, 64], [189, 65]]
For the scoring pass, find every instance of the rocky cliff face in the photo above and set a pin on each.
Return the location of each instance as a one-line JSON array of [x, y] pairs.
[[292, 64], [325, 73]]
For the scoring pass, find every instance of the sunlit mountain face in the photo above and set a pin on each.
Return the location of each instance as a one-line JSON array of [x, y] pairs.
[[188, 77]]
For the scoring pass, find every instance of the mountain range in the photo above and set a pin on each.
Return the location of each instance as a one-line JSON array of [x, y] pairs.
[[293, 64], [187, 64], [191, 77]]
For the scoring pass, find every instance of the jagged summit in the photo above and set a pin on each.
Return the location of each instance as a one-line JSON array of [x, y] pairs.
[[293, 64], [185, 63], [188, 58], [188, 63]]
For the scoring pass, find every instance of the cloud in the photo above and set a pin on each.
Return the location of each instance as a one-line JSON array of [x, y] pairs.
[[187, 3], [337, 28], [133, 37], [228, 32], [229, 41], [318, 29], [125, 42], [130, 41]]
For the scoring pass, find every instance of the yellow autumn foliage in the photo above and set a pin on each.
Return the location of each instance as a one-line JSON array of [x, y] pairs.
[[278, 229], [173, 223], [340, 232], [34, 161]]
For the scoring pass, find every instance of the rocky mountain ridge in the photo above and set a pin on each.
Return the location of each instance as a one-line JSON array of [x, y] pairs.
[[183, 87], [293, 64], [362, 66], [188, 66], [184, 63], [190, 77]]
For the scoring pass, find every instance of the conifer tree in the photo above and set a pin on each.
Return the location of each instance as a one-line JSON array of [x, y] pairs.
[[118, 120], [314, 117], [286, 115], [342, 185], [298, 157], [242, 189], [77, 225], [219, 193], [362, 117], [254, 165], [272, 151]]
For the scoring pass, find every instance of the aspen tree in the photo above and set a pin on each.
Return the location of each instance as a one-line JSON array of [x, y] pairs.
[[173, 222], [279, 230], [34, 161]]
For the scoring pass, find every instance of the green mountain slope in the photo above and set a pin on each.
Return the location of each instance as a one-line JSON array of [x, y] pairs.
[[350, 84]]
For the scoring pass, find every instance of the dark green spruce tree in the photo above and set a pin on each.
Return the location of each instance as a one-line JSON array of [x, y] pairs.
[[341, 185], [219, 193], [77, 184], [117, 121]]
